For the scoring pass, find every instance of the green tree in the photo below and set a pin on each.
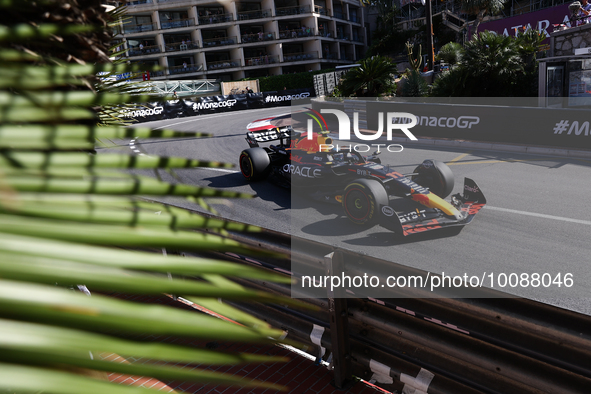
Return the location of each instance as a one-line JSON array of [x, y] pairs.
[[529, 43], [69, 217], [450, 53], [386, 34], [493, 62], [414, 85], [493, 65], [373, 77]]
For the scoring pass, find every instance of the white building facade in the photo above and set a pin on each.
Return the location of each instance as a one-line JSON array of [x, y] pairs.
[[231, 40]]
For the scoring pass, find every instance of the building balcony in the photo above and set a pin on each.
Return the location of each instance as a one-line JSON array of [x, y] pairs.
[[219, 42], [297, 33], [339, 15], [257, 37], [296, 10], [354, 18], [357, 38], [133, 3], [185, 69], [129, 28], [177, 23], [222, 64], [299, 57], [181, 46], [326, 33], [257, 14], [156, 74], [147, 50], [218, 18], [261, 60], [321, 10]]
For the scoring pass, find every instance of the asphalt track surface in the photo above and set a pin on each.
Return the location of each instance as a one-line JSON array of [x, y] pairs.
[[537, 220]]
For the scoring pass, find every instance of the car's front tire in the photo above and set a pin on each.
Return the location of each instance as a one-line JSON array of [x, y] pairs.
[[363, 199], [435, 175], [255, 164]]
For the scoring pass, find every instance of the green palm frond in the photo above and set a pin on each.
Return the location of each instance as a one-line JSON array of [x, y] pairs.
[[373, 77], [450, 53], [70, 216]]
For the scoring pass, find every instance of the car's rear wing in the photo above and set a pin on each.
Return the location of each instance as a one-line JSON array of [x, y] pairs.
[[277, 134]]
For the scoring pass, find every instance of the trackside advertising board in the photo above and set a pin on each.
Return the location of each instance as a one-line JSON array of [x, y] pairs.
[[542, 21], [493, 123], [170, 109]]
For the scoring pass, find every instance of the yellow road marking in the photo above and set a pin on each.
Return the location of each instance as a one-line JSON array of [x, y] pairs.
[[460, 157]]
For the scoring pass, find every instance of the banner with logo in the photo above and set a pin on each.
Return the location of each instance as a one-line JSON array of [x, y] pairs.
[[480, 121], [146, 112], [172, 109], [543, 21], [241, 102], [284, 97]]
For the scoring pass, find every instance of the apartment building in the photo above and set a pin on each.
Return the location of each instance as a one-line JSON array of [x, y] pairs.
[[230, 40]]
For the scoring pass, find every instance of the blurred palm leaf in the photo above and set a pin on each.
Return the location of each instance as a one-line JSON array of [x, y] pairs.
[[63, 209]]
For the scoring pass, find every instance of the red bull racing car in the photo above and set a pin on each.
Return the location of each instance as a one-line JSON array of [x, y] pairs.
[[366, 189]]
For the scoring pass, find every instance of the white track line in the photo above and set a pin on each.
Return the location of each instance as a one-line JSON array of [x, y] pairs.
[[217, 169], [540, 215]]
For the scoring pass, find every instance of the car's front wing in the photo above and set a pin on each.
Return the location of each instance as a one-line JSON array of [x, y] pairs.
[[421, 219]]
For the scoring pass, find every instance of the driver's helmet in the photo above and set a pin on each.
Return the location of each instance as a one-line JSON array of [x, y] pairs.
[[320, 142]]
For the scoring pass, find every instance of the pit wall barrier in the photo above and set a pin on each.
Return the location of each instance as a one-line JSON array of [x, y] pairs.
[[516, 121], [171, 109]]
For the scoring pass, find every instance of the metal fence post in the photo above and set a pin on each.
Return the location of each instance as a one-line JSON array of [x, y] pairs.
[[339, 322]]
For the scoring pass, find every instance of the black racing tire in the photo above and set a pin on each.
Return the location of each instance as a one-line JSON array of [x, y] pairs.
[[362, 201], [255, 164], [435, 175]]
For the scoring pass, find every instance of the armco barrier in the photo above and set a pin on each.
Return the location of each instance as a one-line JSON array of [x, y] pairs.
[[170, 109], [492, 121], [434, 346], [423, 345]]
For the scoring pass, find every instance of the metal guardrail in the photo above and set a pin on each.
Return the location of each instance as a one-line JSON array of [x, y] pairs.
[[185, 87], [437, 345], [145, 50], [294, 10], [185, 69], [177, 23], [257, 37], [297, 33], [229, 63], [257, 14], [301, 56], [220, 41], [181, 46], [129, 28], [260, 60], [216, 18]]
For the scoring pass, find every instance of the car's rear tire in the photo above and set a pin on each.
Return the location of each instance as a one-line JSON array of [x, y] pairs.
[[435, 175], [255, 164], [362, 201]]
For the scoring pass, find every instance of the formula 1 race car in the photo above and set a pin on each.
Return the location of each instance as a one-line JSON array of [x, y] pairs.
[[362, 185]]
